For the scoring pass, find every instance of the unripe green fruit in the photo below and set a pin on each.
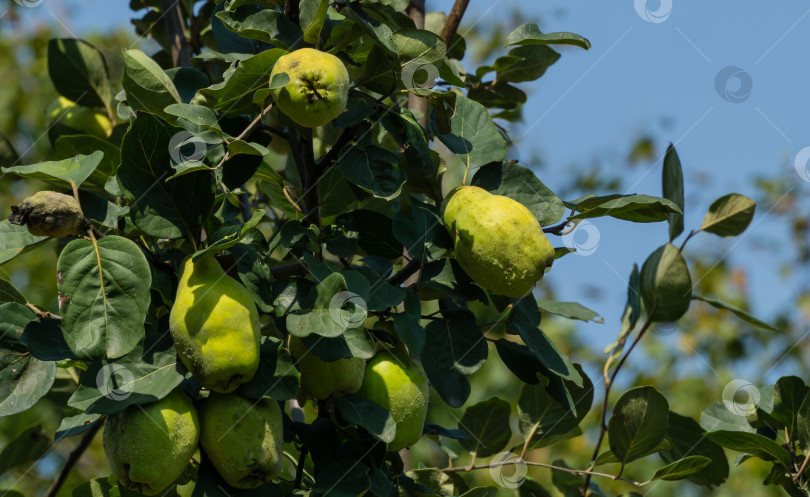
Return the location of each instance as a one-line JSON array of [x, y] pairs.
[[318, 89], [243, 439], [498, 241], [68, 113], [49, 214], [215, 326], [321, 379], [149, 446], [399, 387]]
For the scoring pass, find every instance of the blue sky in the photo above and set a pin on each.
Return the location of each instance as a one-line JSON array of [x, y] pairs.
[[655, 76]]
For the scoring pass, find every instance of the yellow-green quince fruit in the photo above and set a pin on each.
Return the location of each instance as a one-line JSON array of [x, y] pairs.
[[318, 88], [321, 379], [68, 113], [498, 241], [49, 214], [396, 384], [242, 438], [149, 446], [215, 326]]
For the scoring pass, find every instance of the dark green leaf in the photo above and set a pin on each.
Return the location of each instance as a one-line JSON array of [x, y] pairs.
[[530, 34], [15, 240], [609, 457], [72, 171], [454, 348], [465, 127], [666, 285], [717, 417], [255, 275], [277, 376], [235, 93], [635, 208], [729, 215], [333, 306], [10, 294], [373, 169], [753, 444], [570, 310], [422, 232], [45, 340], [524, 318], [682, 468], [312, 16], [79, 72], [737, 312], [359, 411], [638, 424], [267, 25], [685, 437], [75, 425], [105, 288], [23, 379], [343, 478], [519, 183], [27, 447], [165, 209], [148, 88], [148, 373], [487, 427], [525, 63], [673, 190]]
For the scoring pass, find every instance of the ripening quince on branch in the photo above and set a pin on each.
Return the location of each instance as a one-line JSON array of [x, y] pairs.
[[49, 214], [318, 88], [394, 383], [321, 379], [150, 446], [215, 326], [242, 438], [498, 241], [72, 115]]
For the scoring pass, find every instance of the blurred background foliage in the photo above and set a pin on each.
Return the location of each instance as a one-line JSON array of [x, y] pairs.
[[690, 361]]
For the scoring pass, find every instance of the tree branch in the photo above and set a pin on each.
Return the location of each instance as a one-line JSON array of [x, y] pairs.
[[411, 268], [42, 314], [515, 462], [309, 177], [453, 21], [606, 401], [244, 134], [176, 30], [291, 10], [73, 458], [334, 153]]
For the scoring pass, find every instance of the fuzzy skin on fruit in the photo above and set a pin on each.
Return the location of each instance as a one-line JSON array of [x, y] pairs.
[[318, 88], [498, 241], [49, 214], [215, 326], [68, 113], [321, 379], [149, 446], [399, 387], [242, 438]]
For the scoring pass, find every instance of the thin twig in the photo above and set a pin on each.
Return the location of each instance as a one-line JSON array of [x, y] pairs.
[[244, 134], [453, 21], [801, 469], [73, 458], [515, 462], [606, 401], [299, 469], [42, 314]]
